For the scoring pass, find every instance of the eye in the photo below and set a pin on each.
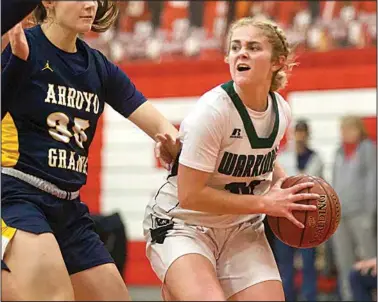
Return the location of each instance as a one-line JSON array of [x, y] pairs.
[[235, 47], [255, 48]]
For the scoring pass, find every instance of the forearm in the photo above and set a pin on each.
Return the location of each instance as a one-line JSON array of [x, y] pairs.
[[152, 122], [165, 127], [4, 42], [215, 201], [278, 172], [160, 125]]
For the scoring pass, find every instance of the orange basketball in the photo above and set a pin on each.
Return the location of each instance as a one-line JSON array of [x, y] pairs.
[[319, 225]]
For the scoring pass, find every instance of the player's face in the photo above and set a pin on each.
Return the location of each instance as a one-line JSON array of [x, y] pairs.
[[301, 137], [350, 134], [250, 57], [77, 16]]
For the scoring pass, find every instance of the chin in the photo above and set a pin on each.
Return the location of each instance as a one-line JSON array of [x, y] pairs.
[[84, 29], [242, 82]]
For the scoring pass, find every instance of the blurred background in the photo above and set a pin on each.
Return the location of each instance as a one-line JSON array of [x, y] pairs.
[[168, 30], [173, 51]]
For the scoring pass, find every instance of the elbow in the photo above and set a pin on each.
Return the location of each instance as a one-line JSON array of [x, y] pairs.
[[186, 201], [185, 204]]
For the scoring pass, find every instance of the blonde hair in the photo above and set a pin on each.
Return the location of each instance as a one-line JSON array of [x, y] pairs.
[[356, 122], [277, 39]]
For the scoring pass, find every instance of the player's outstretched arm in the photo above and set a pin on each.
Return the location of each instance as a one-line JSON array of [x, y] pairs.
[[125, 98], [152, 122], [18, 42], [13, 11], [194, 194]]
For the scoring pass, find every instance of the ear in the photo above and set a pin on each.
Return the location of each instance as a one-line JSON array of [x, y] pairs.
[[226, 60], [278, 63], [48, 4]]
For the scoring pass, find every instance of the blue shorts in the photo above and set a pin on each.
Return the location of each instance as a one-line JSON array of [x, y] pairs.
[[29, 209]]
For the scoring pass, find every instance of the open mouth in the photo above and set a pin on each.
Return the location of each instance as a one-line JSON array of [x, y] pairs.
[[242, 67]]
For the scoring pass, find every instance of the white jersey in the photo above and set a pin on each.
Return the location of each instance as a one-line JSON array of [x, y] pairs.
[[238, 146]]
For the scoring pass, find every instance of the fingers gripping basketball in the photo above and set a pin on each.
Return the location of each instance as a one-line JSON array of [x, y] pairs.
[[319, 225]]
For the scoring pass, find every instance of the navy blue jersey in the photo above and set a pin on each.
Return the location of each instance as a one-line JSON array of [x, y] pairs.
[[51, 105]]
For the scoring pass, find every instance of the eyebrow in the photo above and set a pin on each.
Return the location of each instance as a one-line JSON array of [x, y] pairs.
[[248, 42]]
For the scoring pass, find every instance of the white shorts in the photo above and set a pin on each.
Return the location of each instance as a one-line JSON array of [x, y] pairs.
[[244, 248], [7, 234]]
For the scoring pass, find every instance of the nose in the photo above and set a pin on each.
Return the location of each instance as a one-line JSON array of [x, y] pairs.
[[243, 53], [90, 4]]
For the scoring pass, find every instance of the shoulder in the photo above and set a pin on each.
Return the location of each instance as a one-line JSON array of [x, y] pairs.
[[316, 156], [35, 36], [96, 54], [217, 99], [106, 67], [33, 32], [210, 112], [93, 51], [214, 102], [283, 106], [367, 144]]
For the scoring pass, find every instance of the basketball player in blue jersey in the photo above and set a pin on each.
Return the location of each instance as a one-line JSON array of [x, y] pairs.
[[54, 88]]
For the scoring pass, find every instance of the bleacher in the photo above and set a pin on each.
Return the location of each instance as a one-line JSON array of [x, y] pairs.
[[166, 30]]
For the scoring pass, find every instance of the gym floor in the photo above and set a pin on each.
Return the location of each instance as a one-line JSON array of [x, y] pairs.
[[143, 293], [153, 294]]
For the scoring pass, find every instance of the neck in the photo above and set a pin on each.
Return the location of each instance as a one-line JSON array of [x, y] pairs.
[[351, 143], [61, 37], [254, 97], [300, 148]]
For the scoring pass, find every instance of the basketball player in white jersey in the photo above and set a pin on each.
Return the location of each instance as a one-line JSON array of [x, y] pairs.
[[204, 230]]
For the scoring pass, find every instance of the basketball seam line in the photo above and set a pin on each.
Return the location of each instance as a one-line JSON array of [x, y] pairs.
[[305, 222], [326, 192]]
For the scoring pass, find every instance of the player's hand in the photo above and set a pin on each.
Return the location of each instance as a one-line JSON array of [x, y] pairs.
[[366, 266], [166, 149], [18, 42], [282, 202]]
